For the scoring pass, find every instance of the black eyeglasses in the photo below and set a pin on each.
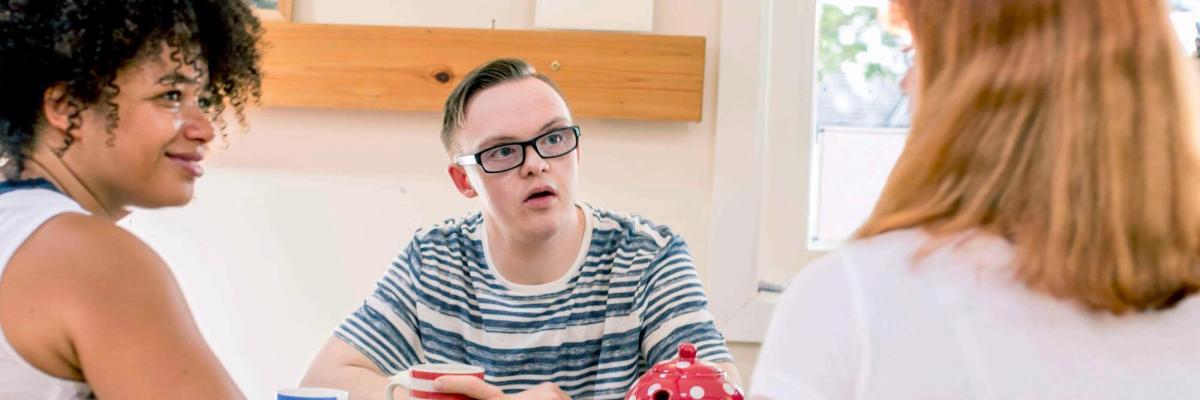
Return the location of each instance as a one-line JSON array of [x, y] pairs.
[[504, 157]]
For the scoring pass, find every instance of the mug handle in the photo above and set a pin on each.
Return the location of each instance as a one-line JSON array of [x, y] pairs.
[[402, 379]]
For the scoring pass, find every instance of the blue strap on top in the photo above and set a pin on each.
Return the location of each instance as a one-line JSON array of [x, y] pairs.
[[36, 183]]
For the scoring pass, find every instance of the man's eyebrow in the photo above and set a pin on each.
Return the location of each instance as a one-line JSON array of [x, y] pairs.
[[552, 122], [497, 139], [510, 138]]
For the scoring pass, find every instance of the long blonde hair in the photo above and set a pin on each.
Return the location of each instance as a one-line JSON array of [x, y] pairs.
[[1065, 127]]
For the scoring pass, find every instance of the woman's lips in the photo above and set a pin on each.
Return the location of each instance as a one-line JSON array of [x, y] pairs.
[[190, 163]]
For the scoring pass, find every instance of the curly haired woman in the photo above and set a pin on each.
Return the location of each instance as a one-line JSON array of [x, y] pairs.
[[104, 106]]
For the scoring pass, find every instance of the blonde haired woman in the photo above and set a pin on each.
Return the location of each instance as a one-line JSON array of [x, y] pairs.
[[1039, 236]]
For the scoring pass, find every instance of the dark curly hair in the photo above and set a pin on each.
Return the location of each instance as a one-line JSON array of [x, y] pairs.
[[82, 44]]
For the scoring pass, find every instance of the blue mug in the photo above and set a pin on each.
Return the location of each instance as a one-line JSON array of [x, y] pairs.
[[312, 394]]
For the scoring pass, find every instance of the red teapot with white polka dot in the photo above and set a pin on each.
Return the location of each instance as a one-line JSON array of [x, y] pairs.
[[684, 378]]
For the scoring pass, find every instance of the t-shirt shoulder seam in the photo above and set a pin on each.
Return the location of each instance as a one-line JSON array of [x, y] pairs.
[[662, 235]]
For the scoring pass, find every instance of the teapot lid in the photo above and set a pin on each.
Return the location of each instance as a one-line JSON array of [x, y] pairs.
[[686, 366]]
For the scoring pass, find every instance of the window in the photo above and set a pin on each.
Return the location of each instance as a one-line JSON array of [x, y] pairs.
[[1185, 17], [861, 116]]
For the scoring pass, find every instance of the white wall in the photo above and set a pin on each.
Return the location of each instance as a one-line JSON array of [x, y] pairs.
[[270, 261], [299, 217]]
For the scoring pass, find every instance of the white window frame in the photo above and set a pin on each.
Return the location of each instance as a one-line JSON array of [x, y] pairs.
[[765, 96]]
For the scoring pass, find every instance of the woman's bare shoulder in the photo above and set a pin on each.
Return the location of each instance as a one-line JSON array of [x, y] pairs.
[[91, 260]]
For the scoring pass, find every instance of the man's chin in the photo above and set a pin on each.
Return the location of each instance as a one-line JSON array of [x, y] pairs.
[[544, 222]]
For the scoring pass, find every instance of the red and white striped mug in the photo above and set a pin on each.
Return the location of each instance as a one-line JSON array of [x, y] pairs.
[[418, 380]]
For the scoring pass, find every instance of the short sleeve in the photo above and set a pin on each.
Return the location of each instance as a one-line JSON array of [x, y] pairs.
[[675, 309], [384, 328], [815, 344]]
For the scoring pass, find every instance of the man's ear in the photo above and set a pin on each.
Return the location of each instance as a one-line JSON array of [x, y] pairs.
[[57, 108], [458, 175]]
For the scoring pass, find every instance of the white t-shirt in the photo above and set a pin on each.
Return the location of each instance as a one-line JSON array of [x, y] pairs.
[[867, 323]]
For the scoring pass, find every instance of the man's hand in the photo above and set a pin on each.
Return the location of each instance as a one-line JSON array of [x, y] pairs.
[[478, 389]]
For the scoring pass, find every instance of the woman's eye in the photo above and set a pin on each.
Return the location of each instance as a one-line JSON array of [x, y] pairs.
[[173, 96], [555, 138], [205, 103]]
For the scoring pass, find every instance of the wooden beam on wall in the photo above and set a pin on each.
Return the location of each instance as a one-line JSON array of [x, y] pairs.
[[602, 74]]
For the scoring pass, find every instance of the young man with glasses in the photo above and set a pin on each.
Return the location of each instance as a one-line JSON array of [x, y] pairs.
[[553, 297]]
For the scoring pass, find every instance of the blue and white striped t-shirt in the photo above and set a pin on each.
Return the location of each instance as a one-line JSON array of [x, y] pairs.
[[631, 298]]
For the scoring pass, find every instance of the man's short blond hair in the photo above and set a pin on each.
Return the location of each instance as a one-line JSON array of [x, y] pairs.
[[486, 76]]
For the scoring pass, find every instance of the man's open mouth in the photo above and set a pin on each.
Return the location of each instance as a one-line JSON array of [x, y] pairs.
[[539, 194]]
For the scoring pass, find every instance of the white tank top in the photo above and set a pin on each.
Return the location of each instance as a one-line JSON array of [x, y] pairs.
[[25, 206]]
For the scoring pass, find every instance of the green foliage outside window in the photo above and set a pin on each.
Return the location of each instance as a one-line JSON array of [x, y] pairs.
[[855, 39]]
